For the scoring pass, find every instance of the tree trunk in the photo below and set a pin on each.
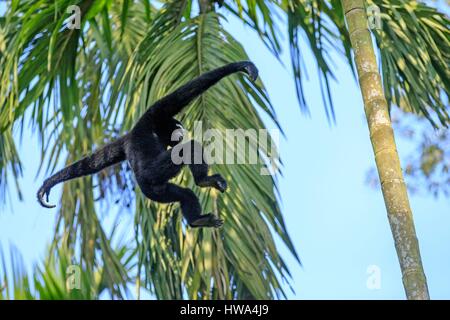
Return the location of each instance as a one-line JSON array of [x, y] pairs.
[[205, 6], [386, 156]]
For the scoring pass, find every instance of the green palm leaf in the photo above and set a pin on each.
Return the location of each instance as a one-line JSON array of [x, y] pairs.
[[9, 164], [414, 46], [51, 280], [240, 255], [82, 88]]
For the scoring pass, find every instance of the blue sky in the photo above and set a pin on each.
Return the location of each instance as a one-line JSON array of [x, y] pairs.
[[337, 223]]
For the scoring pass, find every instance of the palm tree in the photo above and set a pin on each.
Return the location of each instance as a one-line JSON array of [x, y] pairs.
[[50, 280], [386, 156], [91, 84], [81, 87]]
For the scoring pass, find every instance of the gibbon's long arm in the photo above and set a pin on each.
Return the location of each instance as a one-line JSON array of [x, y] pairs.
[[108, 155], [161, 112], [173, 103]]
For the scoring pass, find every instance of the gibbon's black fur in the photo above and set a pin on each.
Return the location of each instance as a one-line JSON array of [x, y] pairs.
[[147, 149]]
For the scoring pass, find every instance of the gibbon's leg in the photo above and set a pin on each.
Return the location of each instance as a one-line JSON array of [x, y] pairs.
[[155, 186], [190, 206], [161, 169], [199, 168]]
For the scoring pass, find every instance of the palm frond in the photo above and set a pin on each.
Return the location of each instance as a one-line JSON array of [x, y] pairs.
[[81, 84], [10, 164], [52, 279], [63, 75], [243, 254], [414, 46], [320, 23]]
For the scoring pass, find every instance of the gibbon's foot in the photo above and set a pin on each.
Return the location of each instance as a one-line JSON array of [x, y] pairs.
[[219, 182], [215, 181], [207, 220]]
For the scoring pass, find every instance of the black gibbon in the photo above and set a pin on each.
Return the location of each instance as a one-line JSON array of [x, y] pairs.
[[148, 146]]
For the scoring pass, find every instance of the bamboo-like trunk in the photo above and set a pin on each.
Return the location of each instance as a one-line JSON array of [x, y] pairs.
[[205, 6], [386, 156]]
